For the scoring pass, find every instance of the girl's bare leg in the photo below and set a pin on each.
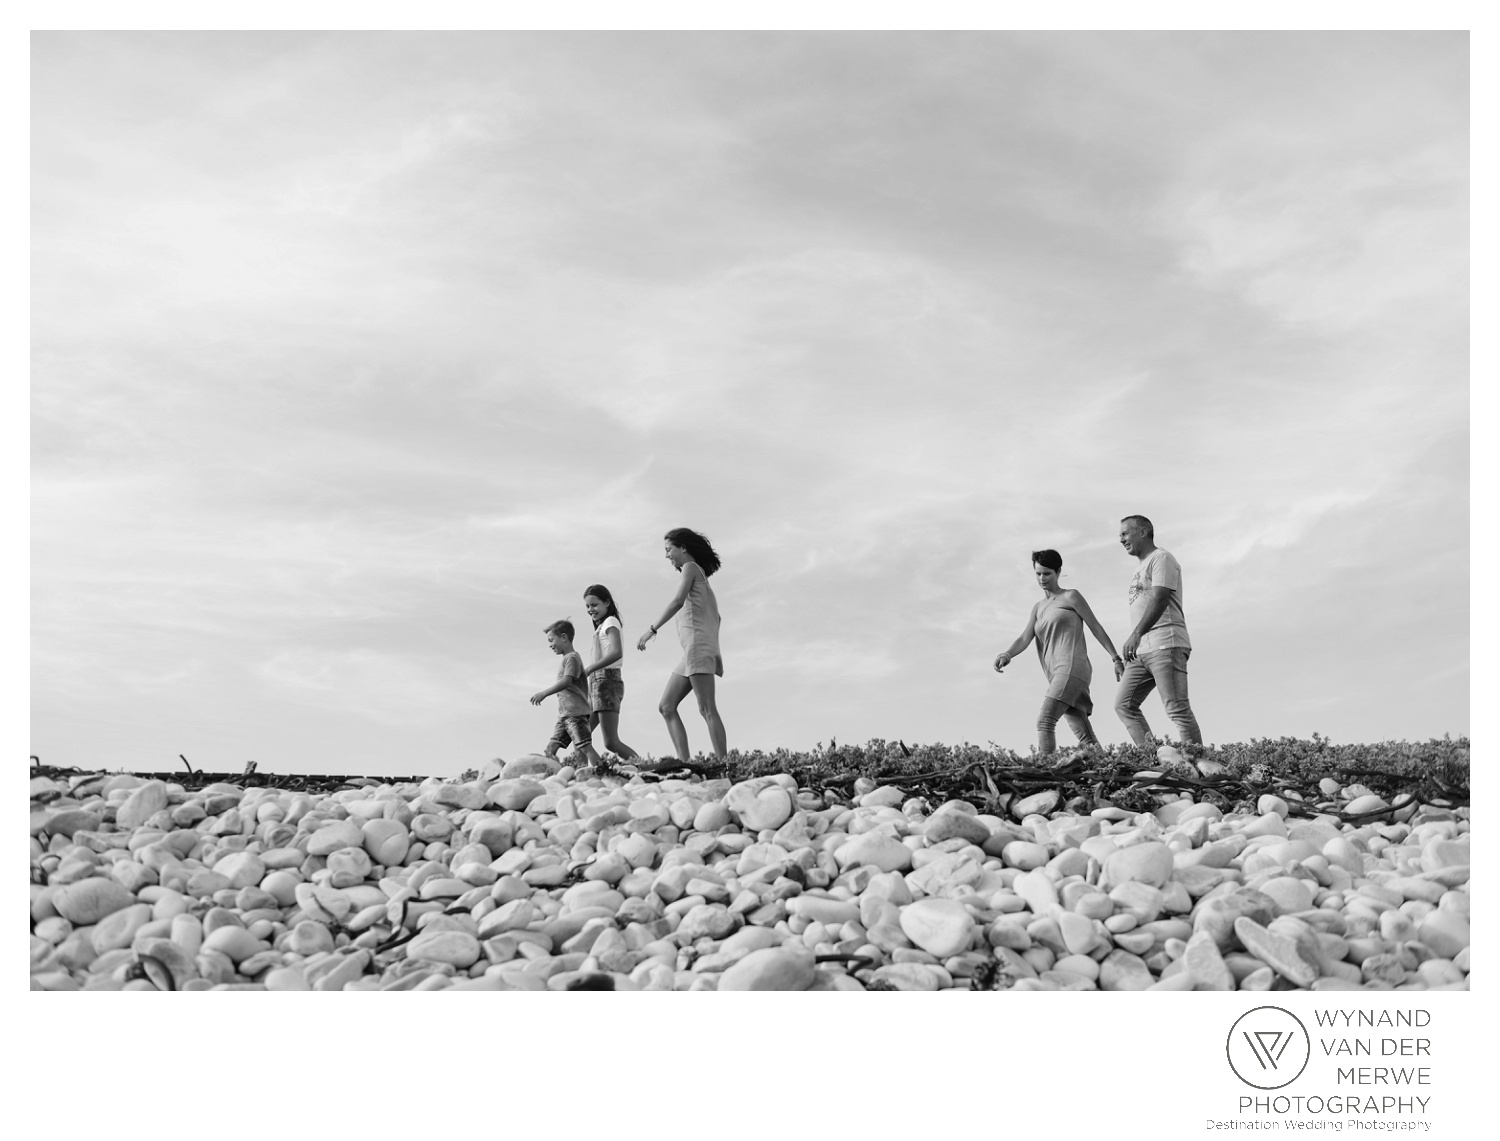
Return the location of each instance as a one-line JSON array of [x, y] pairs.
[[703, 688], [610, 723], [678, 687]]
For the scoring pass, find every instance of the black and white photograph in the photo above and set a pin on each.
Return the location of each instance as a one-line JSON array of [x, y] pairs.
[[977, 512]]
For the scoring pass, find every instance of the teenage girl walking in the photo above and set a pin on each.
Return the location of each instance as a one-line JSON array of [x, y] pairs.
[[697, 612], [1057, 624], [605, 683]]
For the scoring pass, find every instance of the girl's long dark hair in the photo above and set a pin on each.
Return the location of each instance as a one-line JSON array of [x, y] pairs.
[[696, 545], [603, 595]]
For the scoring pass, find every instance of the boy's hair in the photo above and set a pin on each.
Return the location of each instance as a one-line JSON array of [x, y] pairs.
[[696, 545], [603, 595], [1048, 558], [561, 626]]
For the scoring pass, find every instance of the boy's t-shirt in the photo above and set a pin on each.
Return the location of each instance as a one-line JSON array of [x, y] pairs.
[[573, 701], [1159, 568]]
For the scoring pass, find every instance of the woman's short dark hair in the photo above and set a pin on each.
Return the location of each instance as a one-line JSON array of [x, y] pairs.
[[603, 595], [1049, 559], [696, 545]]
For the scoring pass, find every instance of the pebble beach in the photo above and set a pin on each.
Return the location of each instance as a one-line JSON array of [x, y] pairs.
[[531, 876]]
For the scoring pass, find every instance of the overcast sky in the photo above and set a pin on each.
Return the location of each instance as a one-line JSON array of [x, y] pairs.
[[357, 356]]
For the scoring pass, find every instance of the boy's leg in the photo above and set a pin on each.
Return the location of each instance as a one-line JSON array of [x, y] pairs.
[[703, 688], [678, 687], [558, 739], [1136, 683], [578, 731]]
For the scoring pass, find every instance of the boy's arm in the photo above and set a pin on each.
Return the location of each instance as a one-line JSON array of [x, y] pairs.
[[542, 695]]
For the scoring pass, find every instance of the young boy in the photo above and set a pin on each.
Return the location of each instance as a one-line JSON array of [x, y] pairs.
[[572, 697]]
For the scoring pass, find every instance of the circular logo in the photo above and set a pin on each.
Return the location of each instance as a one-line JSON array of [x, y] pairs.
[[1268, 1047]]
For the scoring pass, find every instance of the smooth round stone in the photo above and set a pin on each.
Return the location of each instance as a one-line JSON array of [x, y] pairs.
[[332, 836], [142, 804], [1025, 855], [241, 869], [1080, 965], [118, 928], [1289, 893], [430, 827], [456, 947], [1367, 803], [873, 849], [531, 765], [1269, 802], [283, 859], [1078, 933], [348, 866], [1217, 916], [308, 938], [1037, 889], [951, 824], [1037, 804], [90, 900], [286, 978], [234, 942], [1446, 933], [911, 976], [759, 804], [941, 927], [1440, 854], [823, 909], [885, 796], [385, 841], [512, 795], [281, 886], [1149, 862], [708, 919], [770, 968], [711, 817]]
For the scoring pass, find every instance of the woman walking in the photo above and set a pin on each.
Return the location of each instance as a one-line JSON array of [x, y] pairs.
[[697, 612], [1057, 623]]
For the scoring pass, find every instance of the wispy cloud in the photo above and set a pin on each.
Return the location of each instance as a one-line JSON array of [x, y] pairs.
[[355, 358]]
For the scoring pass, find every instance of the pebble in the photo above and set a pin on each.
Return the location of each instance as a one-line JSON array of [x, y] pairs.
[[530, 878]]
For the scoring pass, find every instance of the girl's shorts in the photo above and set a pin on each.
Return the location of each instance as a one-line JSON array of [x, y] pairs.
[[606, 691]]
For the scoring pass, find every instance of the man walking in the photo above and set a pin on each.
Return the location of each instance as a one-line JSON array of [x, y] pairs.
[[1156, 652]]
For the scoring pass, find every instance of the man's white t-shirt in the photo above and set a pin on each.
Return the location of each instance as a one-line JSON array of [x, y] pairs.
[[1159, 568]]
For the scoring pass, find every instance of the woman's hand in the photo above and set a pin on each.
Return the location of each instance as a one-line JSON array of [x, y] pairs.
[[646, 637], [1001, 661]]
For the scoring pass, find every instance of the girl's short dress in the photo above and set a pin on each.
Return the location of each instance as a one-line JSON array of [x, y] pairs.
[[698, 630], [1064, 657], [606, 686]]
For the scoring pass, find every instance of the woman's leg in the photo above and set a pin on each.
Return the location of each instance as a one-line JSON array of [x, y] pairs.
[[610, 723], [703, 688], [1046, 725], [1078, 721], [678, 687]]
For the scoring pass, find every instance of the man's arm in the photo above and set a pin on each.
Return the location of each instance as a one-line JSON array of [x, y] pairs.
[[1161, 597]]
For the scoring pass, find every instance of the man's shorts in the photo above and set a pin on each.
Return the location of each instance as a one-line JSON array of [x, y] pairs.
[[606, 691], [569, 731]]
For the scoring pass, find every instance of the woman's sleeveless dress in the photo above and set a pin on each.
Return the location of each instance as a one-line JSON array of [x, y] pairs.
[[1064, 657], [698, 631]]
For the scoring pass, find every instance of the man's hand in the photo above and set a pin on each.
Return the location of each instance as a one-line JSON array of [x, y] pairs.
[[538, 698], [1127, 651]]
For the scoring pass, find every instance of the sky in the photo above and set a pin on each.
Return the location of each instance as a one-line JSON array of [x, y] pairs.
[[356, 357]]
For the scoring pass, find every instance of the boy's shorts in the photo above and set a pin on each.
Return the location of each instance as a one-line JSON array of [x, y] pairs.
[[570, 731], [606, 691]]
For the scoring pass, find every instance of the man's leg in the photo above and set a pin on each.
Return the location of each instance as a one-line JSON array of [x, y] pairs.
[[1135, 684], [1169, 668]]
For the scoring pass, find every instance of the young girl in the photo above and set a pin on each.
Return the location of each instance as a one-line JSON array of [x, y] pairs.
[[606, 686], [697, 613], [1057, 623]]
